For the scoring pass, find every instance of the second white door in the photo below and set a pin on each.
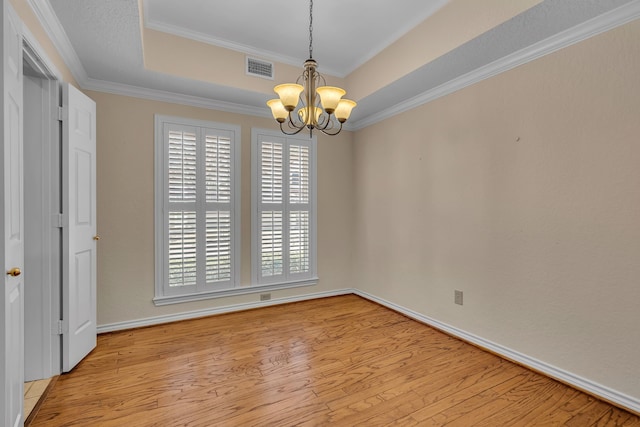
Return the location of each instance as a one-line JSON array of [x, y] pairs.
[[79, 235]]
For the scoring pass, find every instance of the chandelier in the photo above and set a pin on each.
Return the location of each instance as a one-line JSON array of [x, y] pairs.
[[307, 104]]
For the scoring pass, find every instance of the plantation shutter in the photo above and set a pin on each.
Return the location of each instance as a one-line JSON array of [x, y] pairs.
[[182, 227], [299, 209], [285, 210], [218, 207], [199, 209], [272, 208]]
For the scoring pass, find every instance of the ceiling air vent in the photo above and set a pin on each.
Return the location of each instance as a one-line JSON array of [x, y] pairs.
[[259, 68]]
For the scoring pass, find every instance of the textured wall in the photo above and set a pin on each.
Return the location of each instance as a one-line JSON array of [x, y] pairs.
[[524, 192], [125, 208]]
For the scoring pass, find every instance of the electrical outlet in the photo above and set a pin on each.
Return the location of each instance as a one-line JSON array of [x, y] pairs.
[[457, 297], [265, 297]]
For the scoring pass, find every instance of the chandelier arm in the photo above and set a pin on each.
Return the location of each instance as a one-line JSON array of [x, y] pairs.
[[291, 133], [325, 122], [328, 124], [331, 133], [293, 125], [320, 77]]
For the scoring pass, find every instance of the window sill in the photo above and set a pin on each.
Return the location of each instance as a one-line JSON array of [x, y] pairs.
[[242, 290]]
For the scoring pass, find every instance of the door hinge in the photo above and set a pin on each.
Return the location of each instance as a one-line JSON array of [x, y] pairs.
[[59, 220], [60, 327], [61, 114]]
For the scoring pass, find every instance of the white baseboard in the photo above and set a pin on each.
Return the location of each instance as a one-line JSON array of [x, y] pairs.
[[598, 390], [158, 320]]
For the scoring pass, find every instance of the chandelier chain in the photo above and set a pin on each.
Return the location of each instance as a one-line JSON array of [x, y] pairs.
[[310, 29]]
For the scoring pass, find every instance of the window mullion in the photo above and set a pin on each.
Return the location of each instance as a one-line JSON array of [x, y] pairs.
[[165, 208], [170, 206], [200, 211], [285, 211]]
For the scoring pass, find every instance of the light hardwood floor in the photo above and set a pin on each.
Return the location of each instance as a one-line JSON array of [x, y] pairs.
[[340, 361]]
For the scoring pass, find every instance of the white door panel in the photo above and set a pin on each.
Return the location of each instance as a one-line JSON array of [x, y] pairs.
[[12, 226], [79, 245]]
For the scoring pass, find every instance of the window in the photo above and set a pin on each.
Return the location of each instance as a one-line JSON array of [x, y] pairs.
[[284, 209], [197, 208]]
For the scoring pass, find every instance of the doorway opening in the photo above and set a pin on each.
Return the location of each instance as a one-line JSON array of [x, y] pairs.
[[42, 206]]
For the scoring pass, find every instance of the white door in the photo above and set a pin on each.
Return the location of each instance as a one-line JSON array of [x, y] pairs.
[[79, 237], [12, 226]]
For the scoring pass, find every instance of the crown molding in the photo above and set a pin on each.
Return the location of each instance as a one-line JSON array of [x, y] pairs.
[[56, 33], [174, 98], [178, 98], [605, 22]]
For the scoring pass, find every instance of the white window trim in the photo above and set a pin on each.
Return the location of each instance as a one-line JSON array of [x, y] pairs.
[[312, 277], [162, 297]]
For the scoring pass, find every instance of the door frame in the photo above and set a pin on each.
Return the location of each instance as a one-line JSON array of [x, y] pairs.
[[50, 244], [29, 49]]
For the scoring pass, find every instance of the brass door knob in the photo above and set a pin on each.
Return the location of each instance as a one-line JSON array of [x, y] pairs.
[[15, 272], [96, 238]]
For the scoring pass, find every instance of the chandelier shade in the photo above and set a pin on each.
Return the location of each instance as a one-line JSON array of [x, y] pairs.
[[330, 97], [309, 102], [343, 111], [289, 94], [277, 109]]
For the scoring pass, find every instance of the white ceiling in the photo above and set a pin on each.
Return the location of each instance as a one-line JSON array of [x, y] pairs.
[[101, 42], [346, 33]]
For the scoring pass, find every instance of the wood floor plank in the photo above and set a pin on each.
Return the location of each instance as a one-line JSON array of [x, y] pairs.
[[443, 393], [472, 404], [615, 418], [561, 412], [340, 361], [530, 403], [598, 410]]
